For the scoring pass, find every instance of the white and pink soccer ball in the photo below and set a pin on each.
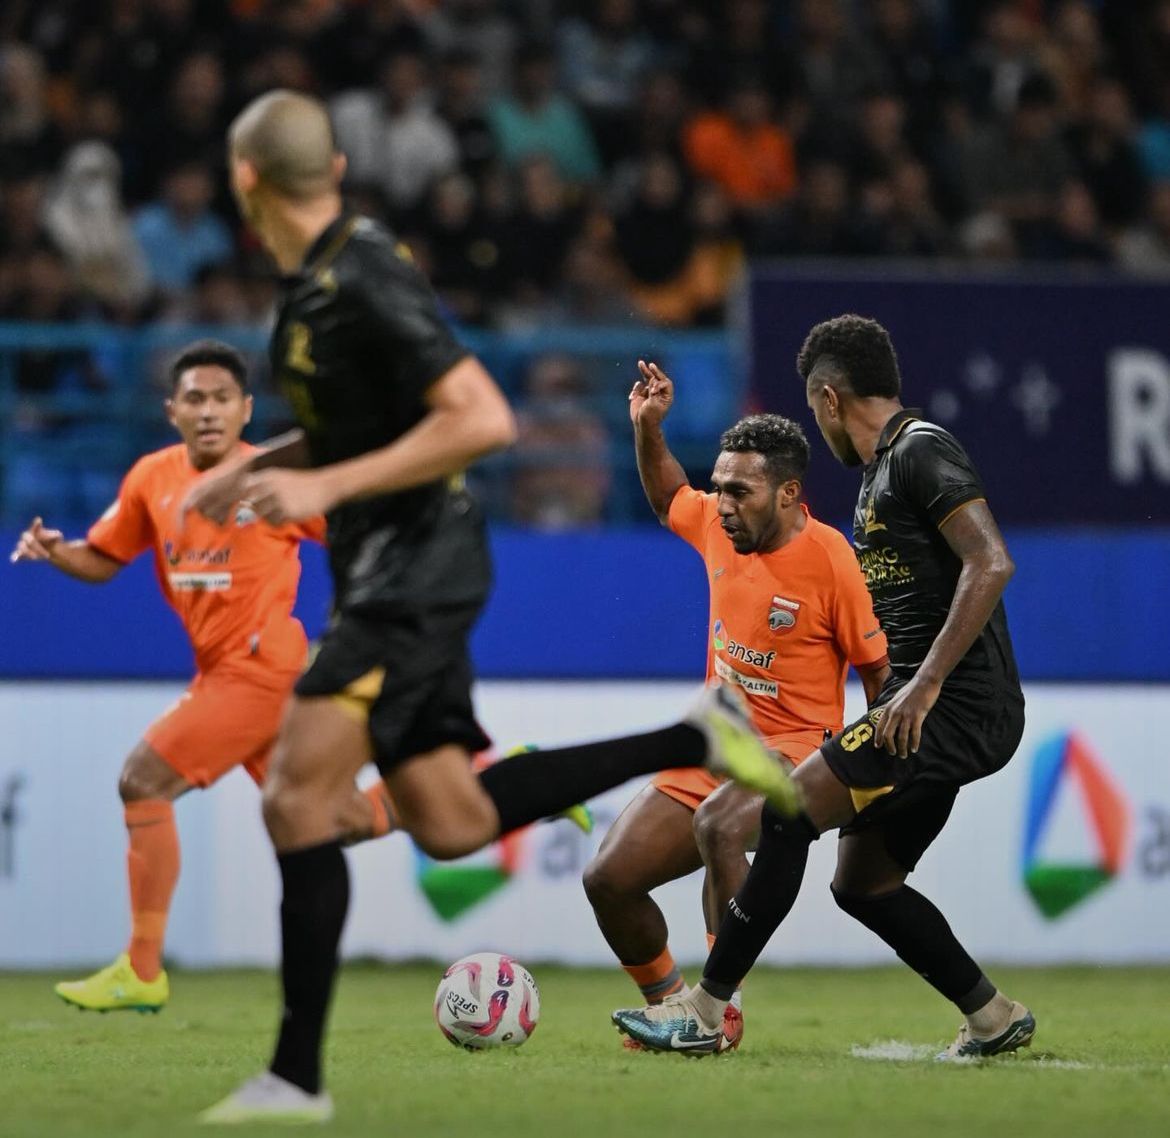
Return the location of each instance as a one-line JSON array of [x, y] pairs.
[[487, 1000]]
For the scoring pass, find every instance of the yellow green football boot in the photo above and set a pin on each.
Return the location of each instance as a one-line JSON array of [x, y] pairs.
[[736, 751], [116, 988]]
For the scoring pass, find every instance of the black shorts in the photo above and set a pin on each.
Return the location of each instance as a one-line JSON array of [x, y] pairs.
[[971, 732], [410, 677]]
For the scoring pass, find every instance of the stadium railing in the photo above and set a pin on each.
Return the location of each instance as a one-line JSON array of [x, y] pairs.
[[78, 403]]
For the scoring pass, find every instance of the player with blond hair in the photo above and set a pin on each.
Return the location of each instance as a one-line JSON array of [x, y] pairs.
[[393, 409]]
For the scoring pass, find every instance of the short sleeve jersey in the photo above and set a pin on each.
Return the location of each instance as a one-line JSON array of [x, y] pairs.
[[359, 339], [233, 586], [783, 625], [919, 478]]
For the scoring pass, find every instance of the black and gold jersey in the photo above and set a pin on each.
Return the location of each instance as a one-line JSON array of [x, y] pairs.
[[918, 478], [358, 340]]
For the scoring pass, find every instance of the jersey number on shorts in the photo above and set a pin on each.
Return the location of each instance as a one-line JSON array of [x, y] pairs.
[[856, 736]]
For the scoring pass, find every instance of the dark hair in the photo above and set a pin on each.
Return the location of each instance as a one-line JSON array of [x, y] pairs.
[[532, 51], [210, 353], [461, 57], [1037, 90], [779, 440], [859, 350]]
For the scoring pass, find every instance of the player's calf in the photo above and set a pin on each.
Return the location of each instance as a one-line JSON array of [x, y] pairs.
[[441, 803]]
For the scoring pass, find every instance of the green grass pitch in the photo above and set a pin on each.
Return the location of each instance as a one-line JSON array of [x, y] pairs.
[[810, 1063]]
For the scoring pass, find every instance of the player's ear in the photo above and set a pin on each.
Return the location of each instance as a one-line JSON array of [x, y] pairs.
[[340, 165], [249, 403], [169, 408], [789, 492], [244, 174]]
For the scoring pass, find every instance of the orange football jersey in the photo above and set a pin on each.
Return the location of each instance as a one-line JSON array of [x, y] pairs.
[[784, 626], [233, 586]]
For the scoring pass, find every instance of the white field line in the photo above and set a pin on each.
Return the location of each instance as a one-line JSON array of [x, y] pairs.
[[899, 1051]]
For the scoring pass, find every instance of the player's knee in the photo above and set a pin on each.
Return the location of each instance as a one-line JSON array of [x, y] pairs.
[[706, 828], [130, 788], [717, 833], [865, 881], [598, 881], [846, 902], [859, 900], [135, 784], [606, 880], [861, 904], [285, 806]]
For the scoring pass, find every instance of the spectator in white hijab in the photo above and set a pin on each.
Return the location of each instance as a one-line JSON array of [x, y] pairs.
[[86, 219]]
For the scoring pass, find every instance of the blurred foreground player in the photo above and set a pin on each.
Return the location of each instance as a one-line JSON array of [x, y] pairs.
[[393, 409], [789, 612], [952, 711], [233, 586]]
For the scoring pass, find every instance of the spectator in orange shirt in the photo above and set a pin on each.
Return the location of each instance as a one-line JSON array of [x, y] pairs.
[[743, 149]]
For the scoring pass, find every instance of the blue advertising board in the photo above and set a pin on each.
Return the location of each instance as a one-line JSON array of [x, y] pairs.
[[1057, 385], [1084, 605]]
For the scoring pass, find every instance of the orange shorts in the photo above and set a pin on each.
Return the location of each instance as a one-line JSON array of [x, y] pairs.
[[692, 786], [228, 717]]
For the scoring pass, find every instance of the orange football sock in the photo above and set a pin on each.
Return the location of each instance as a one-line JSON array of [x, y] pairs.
[[153, 865], [658, 979], [385, 819]]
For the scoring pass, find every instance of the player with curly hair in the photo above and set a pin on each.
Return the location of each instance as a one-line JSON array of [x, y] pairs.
[[951, 712], [789, 612]]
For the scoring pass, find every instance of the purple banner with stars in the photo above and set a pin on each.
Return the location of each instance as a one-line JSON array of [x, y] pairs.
[[1058, 386]]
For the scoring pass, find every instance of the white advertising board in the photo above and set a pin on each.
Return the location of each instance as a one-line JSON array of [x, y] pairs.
[[1089, 774]]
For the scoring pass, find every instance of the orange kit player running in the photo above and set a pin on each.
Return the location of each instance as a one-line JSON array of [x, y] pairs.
[[789, 613], [233, 586]]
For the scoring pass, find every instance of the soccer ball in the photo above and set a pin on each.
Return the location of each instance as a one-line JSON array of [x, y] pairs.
[[487, 1000]]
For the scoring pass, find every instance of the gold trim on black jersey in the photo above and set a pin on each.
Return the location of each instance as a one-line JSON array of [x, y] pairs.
[[330, 252]]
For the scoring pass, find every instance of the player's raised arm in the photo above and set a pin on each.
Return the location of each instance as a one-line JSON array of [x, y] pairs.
[[78, 559], [660, 472], [468, 418]]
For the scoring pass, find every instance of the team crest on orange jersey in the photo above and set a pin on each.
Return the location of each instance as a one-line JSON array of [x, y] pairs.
[[782, 614]]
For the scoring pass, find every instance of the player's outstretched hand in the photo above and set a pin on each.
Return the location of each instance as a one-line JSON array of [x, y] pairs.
[[216, 492], [900, 728], [36, 543], [652, 395], [280, 496]]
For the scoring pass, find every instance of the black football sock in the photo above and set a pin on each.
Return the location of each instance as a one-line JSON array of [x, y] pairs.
[[762, 901], [312, 914], [921, 937], [537, 784]]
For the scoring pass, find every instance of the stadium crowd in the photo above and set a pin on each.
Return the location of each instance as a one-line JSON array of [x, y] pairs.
[[595, 162], [603, 162]]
